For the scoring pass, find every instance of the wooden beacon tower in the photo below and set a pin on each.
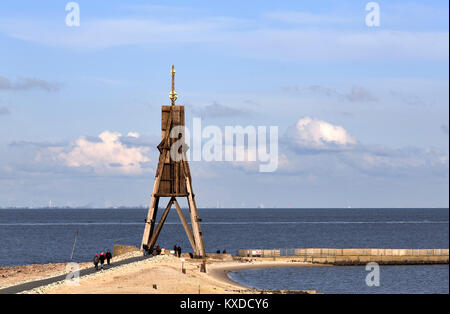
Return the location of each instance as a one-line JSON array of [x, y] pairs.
[[172, 180]]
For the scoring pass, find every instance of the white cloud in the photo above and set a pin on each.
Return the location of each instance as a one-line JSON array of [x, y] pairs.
[[133, 134], [312, 133], [106, 33], [322, 149], [341, 45], [382, 161], [109, 155]]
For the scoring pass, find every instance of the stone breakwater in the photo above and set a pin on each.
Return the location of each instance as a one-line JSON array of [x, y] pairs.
[[352, 256]]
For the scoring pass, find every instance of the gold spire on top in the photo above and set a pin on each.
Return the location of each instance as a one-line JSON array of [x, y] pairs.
[[173, 94]]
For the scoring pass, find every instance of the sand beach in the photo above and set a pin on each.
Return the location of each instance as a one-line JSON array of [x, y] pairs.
[[158, 275]]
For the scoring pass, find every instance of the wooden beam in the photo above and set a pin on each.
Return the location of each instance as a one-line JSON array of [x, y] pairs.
[[160, 224], [185, 225], [153, 208], [172, 195], [151, 216], [165, 141], [198, 236], [197, 231]]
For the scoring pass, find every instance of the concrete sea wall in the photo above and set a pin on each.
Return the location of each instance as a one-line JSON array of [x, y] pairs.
[[354, 256]]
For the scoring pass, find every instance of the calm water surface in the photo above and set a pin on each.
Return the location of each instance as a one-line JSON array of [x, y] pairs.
[[47, 235], [349, 279]]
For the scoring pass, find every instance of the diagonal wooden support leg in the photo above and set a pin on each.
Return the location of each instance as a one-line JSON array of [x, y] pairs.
[[185, 225], [153, 208], [199, 249], [160, 224], [150, 221], [197, 230]]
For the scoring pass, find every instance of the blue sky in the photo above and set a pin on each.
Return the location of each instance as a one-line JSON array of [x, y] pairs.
[[238, 63]]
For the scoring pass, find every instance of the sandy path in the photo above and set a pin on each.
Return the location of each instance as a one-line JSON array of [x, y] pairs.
[[140, 278], [14, 275]]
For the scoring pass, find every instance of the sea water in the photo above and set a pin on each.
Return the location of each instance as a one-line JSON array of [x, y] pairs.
[[47, 235]]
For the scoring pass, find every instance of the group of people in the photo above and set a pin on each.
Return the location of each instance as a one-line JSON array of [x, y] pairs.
[[157, 250], [101, 258], [223, 252], [154, 252]]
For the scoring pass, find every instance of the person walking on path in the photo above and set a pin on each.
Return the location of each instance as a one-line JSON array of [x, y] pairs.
[[96, 260], [175, 250], [179, 251], [102, 259], [108, 257]]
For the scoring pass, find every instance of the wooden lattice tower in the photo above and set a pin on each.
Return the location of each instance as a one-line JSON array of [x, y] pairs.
[[172, 180]]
